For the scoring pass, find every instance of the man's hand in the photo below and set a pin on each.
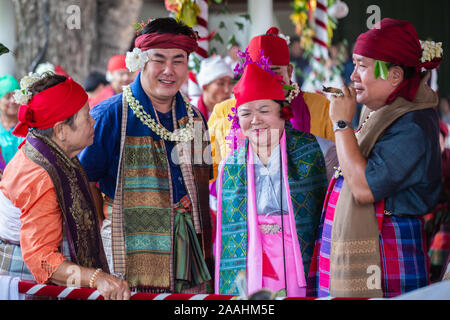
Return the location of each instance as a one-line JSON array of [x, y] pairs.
[[343, 108]]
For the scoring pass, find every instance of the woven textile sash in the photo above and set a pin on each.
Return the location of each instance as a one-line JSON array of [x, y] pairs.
[[307, 184], [190, 265], [355, 233], [80, 220], [143, 212]]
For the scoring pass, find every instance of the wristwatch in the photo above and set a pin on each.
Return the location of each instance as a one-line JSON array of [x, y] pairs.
[[342, 125]]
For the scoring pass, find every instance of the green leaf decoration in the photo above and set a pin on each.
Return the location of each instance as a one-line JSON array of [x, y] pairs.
[[239, 25], [222, 25], [225, 10], [218, 1], [213, 51], [3, 49], [232, 41], [287, 87], [246, 17], [218, 38], [381, 69]]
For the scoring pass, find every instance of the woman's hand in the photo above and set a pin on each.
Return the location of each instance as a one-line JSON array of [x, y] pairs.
[[72, 275], [344, 107], [111, 287]]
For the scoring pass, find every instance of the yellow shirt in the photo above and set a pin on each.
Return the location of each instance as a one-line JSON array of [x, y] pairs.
[[219, 125]]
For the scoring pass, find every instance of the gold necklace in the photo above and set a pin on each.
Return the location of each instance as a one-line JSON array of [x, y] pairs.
[[180, 135]]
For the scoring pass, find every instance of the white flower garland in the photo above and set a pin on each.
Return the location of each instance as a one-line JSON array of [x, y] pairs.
[[293, 93], [180, 135], [431, 50]]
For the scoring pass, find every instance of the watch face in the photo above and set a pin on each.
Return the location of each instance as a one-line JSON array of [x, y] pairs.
[[342, 124]]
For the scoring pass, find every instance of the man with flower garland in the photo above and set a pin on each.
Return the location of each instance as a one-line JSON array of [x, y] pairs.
[[372, 241], [310, 110], [161, 228]]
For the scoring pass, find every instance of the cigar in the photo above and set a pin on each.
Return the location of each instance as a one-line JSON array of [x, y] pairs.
[[334, 91]]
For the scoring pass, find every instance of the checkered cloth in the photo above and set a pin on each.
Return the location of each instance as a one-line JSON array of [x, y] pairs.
[[403, 249], [11, 262]]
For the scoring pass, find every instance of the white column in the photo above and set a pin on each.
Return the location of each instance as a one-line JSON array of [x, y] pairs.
[[7, 36], [261, 13]]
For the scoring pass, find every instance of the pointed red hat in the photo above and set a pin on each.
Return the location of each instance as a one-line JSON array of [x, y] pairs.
[[273, 46], [117, 63], [257, 84]]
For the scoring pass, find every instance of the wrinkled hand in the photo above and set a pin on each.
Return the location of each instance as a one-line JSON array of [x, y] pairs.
[[112, 288], [343, 108]]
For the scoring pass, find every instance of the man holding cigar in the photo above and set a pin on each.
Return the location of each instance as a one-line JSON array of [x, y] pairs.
[[371, 241]]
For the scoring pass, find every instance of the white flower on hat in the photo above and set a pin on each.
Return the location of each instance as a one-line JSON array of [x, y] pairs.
[[431, 50], [285, 37], [23, 96], [136, 60]]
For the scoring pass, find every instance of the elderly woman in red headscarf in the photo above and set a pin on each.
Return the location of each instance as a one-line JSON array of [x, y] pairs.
[[372, 241], [45, 185]]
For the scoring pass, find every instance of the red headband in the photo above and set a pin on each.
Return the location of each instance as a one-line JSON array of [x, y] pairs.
[[50, 106], [166, 41], [397, 42]]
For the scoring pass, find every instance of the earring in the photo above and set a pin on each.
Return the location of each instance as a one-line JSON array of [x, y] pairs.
[[63, 140]]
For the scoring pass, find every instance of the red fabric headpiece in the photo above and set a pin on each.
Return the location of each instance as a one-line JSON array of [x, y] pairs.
[[257, 84], [274, 47], [396, 42], [50, 106], [117, 63], [166, 41]]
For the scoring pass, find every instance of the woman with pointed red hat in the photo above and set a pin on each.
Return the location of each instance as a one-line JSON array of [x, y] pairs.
[[270, 193]]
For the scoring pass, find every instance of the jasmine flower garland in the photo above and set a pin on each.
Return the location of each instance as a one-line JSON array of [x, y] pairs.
[[180, 135]]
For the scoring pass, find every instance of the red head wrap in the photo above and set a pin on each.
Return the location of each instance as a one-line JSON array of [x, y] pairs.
[[257, 84], [273, 46], [166, 41], [396, 42], [50, 106]]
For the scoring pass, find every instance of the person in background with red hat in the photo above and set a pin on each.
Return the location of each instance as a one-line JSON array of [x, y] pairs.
[[270, 193], [390, 170], [118, 76], [143, 161], [49, 228], [310, 110]]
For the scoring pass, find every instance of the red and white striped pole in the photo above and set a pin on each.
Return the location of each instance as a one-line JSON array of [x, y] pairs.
[[51, 291], [202, 52], [320, 50]]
